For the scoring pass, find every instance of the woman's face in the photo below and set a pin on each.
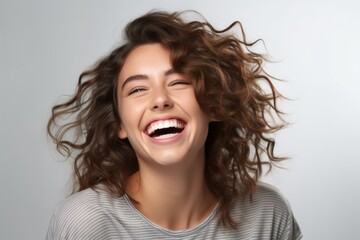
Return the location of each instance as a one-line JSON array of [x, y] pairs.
[[159, 112]]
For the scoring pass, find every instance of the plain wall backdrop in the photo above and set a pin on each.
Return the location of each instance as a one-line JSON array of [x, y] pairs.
[[45, 45]]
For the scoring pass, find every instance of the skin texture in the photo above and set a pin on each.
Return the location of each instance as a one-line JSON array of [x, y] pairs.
[[174, 194]]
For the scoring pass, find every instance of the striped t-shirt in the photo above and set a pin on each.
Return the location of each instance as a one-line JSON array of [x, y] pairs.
[[94, 215]]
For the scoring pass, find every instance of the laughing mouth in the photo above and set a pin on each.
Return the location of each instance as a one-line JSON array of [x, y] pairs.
[[163, 129]]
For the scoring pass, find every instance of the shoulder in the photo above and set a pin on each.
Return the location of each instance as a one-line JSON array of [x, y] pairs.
[[267, 211], [84, 204], [82, 215], [266, 200], [270, 196]]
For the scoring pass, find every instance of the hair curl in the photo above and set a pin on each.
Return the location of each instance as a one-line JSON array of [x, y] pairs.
[[229, 85]]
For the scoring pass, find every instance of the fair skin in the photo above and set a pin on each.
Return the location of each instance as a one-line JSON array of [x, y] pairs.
[[167, 129]]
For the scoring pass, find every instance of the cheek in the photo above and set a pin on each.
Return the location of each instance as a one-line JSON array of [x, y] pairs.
[[130, 115], [193, 106]]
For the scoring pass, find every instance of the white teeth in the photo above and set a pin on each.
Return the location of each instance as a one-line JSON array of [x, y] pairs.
[[163, 124]]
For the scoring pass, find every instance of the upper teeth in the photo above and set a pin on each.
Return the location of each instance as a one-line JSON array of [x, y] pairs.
[[163, 124]]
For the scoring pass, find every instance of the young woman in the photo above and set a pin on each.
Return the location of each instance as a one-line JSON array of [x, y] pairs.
[[172, 131]]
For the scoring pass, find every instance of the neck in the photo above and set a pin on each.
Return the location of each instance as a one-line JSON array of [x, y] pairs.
[[173, 197]]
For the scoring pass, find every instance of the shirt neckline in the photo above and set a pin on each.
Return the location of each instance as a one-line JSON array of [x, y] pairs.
[[169, 232]]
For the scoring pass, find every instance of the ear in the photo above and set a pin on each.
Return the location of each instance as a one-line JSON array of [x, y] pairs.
[[122, 133]]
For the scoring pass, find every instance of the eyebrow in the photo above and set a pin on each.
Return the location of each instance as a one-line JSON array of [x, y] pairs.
[[144, 77]]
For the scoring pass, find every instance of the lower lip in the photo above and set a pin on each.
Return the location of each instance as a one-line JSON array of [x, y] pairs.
[[168, 140]]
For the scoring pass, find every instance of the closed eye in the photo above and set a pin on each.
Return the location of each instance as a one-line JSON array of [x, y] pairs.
[[179, 82], [136, 90]]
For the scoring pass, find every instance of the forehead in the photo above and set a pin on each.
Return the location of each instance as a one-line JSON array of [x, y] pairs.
[[146, 59]]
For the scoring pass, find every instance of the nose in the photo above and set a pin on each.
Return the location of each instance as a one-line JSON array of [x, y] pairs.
[[161, 100]]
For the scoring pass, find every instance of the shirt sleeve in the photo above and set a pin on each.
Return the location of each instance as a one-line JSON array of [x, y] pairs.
[[291, 229]]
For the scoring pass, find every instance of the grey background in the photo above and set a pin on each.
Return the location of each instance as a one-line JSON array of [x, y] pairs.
[[45, 45]]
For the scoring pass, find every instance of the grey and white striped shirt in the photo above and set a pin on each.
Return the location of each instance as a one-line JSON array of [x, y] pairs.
[[96, 215]]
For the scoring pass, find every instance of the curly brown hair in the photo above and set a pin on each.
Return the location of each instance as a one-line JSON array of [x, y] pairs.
[[230, 85]]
